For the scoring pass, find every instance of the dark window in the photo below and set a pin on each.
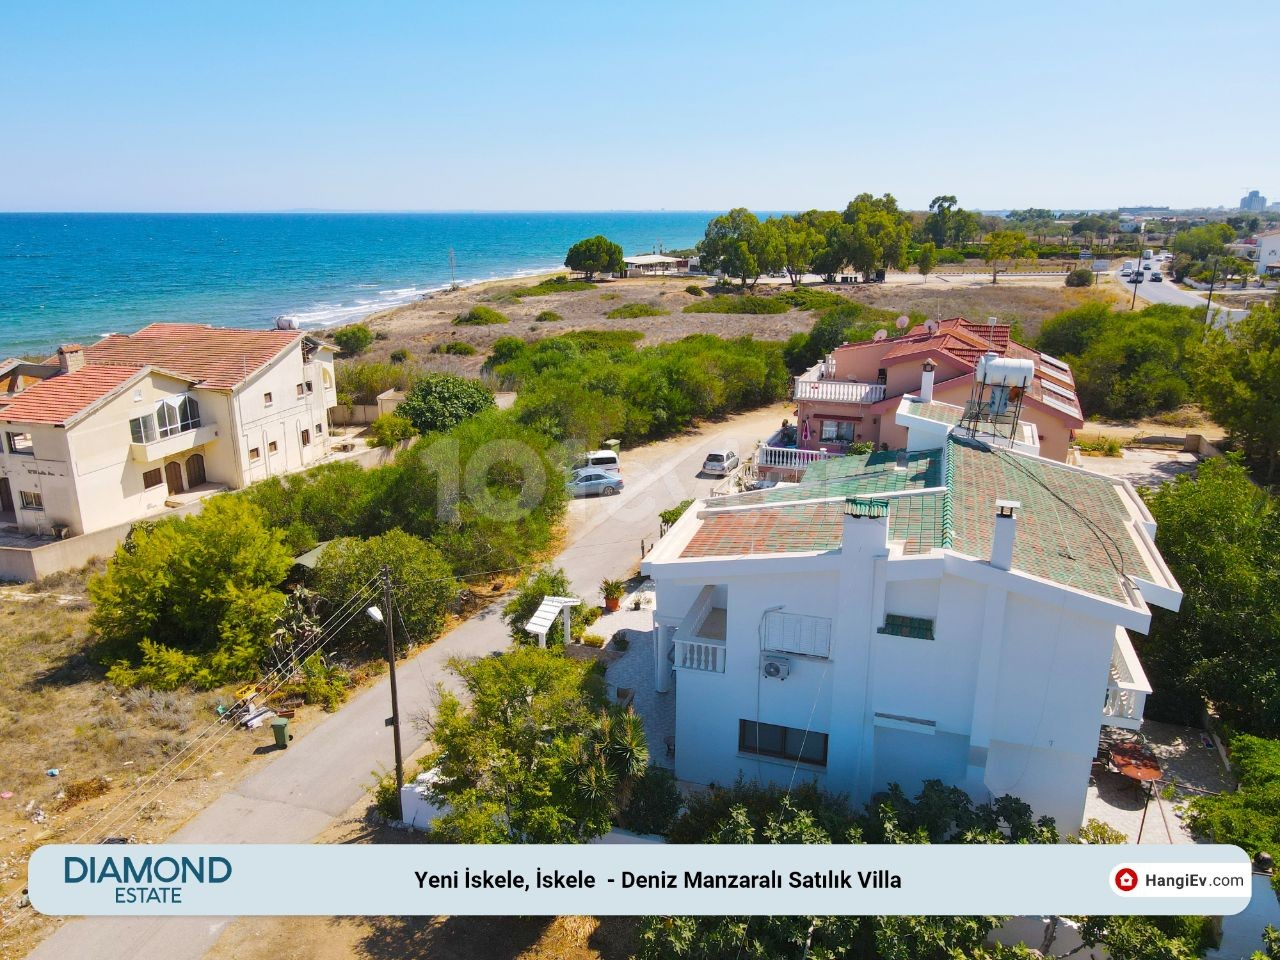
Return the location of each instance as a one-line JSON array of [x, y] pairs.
[[19, 444], [319, 429], [300, 390], [143, 429], [785, 743], [306, 438], [31, 500], [882, 375], [254, 454], [271, 447], [152, 478], [310, 388], [266, 399]]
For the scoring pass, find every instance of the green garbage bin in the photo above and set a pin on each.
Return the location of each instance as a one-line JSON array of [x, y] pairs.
[[280, 730]]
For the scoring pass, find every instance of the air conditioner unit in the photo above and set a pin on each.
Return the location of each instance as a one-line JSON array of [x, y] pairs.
[[776, 668]]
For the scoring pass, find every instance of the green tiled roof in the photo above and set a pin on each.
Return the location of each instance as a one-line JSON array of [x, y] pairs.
[[920, 523], [897, 625], [863, 507], [940, 412], [851, 476]]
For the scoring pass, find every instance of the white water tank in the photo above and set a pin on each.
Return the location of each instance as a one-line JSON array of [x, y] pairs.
[[286, 323], [994, 370]]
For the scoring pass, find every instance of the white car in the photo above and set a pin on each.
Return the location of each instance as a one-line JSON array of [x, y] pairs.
[[720, 463]]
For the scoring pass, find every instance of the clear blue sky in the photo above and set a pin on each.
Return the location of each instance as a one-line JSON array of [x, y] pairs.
[[271, 105]]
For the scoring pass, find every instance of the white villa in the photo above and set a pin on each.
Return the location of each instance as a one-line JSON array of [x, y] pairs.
[[958, 610], [103, 435]]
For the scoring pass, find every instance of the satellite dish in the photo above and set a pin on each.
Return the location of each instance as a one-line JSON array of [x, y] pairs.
[[931, 326], [903, 322], [880, 335]]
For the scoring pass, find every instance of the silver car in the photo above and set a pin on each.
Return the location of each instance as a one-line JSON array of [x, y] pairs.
[[589, 483], [720, 463]]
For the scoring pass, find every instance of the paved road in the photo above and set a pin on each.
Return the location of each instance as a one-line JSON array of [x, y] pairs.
[[1169, 292], [302, 790]]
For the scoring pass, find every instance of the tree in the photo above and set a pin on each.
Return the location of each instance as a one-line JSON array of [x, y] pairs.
[[354, 339], [422, 586], [1005, 246], [389, 429], [536, 755], [440, 401], [1219, 535], [801, 242], [594, 255], [193, 599], [739, 246], [1203, 242], [1237, 372], [927, 259], [533, 589], [878, 235], [937, 225]]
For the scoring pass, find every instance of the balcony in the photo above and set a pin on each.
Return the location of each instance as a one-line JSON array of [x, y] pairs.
[[700, 639], [818, 383], [156, 450], [1128, 687]]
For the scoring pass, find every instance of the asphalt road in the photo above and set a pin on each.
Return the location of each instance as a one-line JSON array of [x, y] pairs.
[[1169, 292], [324, 772]]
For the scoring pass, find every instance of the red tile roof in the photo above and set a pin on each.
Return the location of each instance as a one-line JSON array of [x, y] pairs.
[[784, 529], [58, 399], [217, 358]]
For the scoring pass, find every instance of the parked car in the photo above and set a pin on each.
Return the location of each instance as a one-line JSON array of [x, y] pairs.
[[720, 463], [590, 483], [602, 459], [1156, 277]]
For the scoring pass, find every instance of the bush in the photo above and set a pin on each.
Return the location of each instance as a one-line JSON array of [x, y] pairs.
[[735, 303], [353, 340], [440, 401], [401, 356], [363, 381], [191, 601], [422, 587], [533, 589], [1099, 446], [672, 514], [457, 348], [389, 429], [323, 684], [1080, 277], [557, 284], [694, 290], [386, 798], [479, 316], [548, 316], [631, 311], [809, 298], [950, 256], [861, 448], [332, 500], [1250, 817], [655, 803]]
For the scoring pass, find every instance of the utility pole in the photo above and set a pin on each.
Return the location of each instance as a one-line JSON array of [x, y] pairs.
[[395, 702], [1208, 309]]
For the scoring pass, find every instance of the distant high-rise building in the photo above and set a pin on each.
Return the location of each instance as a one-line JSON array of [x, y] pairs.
[[1253, 202]]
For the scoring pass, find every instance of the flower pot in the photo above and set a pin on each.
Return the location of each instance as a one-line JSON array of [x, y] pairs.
[[611, 603]]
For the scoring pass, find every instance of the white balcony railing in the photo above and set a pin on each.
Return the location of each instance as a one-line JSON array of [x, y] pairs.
[[789, 457], [1128, 687], [698, 654], [838, 391]]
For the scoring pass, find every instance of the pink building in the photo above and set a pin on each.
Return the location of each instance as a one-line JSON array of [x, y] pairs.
[[851, 396]]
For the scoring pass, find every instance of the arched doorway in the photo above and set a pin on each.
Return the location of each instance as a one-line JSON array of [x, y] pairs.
[[173, 477], [195, 470]]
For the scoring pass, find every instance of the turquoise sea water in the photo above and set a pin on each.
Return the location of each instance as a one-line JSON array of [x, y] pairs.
[[72, 276]]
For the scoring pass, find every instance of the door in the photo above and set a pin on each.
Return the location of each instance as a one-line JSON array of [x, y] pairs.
[[195, 470], [6, 496], [173, 477]]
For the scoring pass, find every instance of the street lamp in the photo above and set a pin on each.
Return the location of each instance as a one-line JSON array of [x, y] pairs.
[[375, 614]]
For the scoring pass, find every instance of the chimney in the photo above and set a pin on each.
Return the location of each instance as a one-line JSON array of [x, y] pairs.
[[926, 381], [1003, 535], [70, 357]]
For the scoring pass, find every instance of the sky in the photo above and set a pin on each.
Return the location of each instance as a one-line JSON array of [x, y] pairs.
[[245, 106]]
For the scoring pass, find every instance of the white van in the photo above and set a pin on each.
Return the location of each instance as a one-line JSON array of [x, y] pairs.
[[1148, 254], [599, 460], [1127, 268]]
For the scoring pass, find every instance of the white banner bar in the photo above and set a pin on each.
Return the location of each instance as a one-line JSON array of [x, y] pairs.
[[635, 879]]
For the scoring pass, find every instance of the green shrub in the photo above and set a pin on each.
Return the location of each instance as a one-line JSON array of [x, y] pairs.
[[950, 256], [533, 589], [809, 298], [556, 284], [862, 447], [401, 356], [322, 684], [672, 514], [738, 303], [363, 381], [694, 290], [386, 798], [655, 803], [1080, 277], [479, 316], [1099, 445], [1250, 817], [631, 311], [548, 316], [457, 348], [353, 340], [441, 400], [593, 640], [389, 429]]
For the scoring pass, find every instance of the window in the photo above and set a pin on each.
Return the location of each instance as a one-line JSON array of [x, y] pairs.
[[319, 429], [31, 500], [19, 444], [301, 390], [143, 429], [310, 388], [266, 399], [882, 375], [254, 454], [785, 743], [152, 478], [271, 447], [177, 415], [837, 431], [306, 438]]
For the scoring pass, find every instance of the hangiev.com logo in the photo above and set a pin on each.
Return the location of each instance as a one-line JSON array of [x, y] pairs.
[[146, 879], [1125, 880]]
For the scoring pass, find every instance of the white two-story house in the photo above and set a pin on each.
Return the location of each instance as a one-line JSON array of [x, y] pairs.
[[958, 610], [106, 434]]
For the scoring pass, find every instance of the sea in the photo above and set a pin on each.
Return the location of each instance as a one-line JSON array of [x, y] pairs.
[[68, 277]]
